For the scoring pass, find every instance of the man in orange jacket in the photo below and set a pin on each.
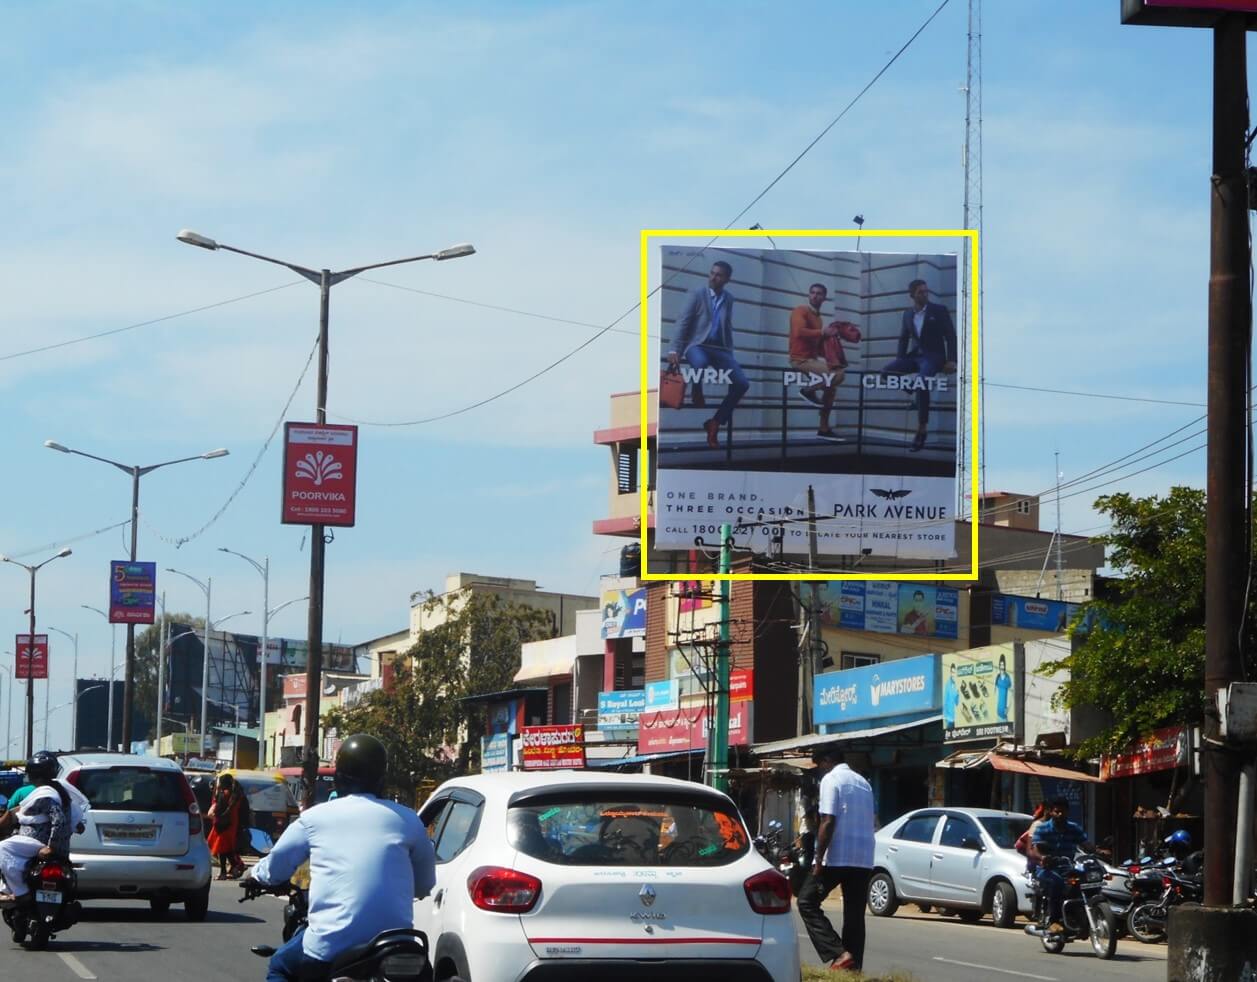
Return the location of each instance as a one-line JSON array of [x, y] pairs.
[[806, 355]]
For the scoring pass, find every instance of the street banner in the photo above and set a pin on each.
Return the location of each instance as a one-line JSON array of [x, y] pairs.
[[980, 693], [132, 592], [31, 664], [623, 614], [552, 747], [834, 371], [320, 474], [892, 688], [686, 729]]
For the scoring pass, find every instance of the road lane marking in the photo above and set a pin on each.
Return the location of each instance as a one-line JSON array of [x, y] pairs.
[[992, 968], [76, 966]]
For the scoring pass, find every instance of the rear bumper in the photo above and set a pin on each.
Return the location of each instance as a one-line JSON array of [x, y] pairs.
[[626, 970], [148, 877]]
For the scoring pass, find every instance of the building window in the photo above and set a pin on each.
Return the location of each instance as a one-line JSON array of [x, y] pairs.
[[856, 659], [1023, 506], [562, 704], [626, 470]]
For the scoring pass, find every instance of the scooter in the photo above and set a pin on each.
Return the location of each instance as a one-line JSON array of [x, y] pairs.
[[399, 955], [50, 906], [1156, 891], [1085, 914]]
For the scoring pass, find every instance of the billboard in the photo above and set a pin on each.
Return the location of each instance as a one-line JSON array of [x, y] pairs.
[[891, 608], [552, 747], [623, 614], [686, 729], [980, 693], [893, 688], [320, 474], [132, 592], [32, 660], [1031, 613], [783, 370]]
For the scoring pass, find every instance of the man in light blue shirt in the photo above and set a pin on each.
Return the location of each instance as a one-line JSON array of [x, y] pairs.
[[370, 859], [844, 858]]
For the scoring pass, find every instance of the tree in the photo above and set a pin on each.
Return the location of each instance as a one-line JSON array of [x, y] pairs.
[[430, 732], [1140, 653]]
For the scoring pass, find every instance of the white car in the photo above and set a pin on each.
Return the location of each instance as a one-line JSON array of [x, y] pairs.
[[568, 875]]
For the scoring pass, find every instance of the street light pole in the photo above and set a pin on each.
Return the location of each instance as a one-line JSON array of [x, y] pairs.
[[136, 471], [8, 716], [325, 279], [113, 661], [161, 668], [30, 655], [264, 570], [74, 712]]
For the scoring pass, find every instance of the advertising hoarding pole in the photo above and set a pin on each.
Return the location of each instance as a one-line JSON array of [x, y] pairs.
[[314, 662], [718, 733], [161, 668], [205, 660], [128, 670], [30, 675]]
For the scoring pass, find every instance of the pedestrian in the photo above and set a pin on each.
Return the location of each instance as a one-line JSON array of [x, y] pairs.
[[844, 858], [224, 833]]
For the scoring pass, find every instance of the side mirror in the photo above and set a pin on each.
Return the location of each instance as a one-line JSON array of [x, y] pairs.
[[969, 842]]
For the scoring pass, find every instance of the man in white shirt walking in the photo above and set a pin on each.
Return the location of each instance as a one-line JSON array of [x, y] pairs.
[[844, 858]]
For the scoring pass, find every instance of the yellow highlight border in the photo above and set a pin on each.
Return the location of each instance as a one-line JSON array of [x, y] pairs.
[[974, 372]]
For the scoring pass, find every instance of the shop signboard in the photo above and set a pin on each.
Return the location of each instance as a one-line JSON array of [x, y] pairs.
[[623, 614], [132, 592], [661, 695], [981, 693], [1161, 750], [495, 753], [741, 684], [552, 747], [892, 608], [32, 659], [893, 688], [686, 729], [1031, 613], [620, 709]]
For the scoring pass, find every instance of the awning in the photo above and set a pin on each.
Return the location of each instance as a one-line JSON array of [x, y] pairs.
[[812, 740], [246, 732], [638, 758], [544, 670], [1016, 765]]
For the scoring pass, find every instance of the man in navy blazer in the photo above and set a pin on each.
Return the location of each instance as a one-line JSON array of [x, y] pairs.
[[927, 346], [704, 339]]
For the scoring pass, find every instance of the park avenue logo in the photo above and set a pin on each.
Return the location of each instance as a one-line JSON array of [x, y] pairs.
[[890, 495], [319, 467]]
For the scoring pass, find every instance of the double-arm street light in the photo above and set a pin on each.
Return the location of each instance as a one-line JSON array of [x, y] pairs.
[[324, 279], [30, 657], [136, 471]]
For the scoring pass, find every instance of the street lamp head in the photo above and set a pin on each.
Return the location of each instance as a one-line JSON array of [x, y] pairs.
[[455, 252], [54, 445], [4, 558], [220, 452], [64, 552], [193, 238]]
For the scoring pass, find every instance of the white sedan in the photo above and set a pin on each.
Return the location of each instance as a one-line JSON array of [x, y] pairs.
[[571, 874]]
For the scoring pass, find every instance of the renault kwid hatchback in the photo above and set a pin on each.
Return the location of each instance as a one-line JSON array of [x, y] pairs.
[[573, 875]]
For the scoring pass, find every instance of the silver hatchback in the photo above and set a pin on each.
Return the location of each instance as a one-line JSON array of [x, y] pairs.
[[143, 837], [958, 859]]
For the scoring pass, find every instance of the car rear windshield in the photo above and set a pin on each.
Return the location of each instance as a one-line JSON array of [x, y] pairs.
[[137, 789], [637, 831], [1004, 829]]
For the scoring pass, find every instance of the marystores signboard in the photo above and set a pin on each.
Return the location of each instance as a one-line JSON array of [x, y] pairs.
[[895, 688]]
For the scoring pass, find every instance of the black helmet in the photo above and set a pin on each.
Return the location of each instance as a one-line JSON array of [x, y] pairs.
[[41, 767], [361, 764]]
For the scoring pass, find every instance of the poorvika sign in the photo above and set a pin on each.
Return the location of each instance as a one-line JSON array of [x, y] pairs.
[[31, 664], [894, 688], [132, 592], [320, 474]]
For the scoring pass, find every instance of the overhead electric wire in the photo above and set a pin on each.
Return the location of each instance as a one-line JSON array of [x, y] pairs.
[[65, 542], [1093, 395], [604, 330]]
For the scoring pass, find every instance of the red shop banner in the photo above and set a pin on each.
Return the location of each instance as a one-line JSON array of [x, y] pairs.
[[1161, 750], [320, 474], [545, 748], [673, 730], [741, 684], [31, 664]]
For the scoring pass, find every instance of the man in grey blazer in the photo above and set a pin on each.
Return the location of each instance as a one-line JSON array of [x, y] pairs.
[[704, 339]]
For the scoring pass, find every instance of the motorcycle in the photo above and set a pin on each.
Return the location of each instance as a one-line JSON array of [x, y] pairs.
[[1085, 914], [1155, 891], [398, 955], [769, 845], [50, 906]]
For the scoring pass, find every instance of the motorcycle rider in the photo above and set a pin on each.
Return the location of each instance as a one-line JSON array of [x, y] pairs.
[[44, 826], [1057, 836], [370, 859]]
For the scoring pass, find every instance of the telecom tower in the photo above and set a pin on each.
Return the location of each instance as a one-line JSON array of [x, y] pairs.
[[973, 220]]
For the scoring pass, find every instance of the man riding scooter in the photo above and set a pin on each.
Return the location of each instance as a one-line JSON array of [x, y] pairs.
[[1056, 837], [43, 825], [370, 859]]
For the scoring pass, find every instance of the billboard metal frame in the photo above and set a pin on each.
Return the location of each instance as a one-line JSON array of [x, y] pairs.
[[974, 369]]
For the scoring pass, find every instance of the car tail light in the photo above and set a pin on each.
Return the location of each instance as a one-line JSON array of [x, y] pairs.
[[768, 892], [194, 810], [507, 891]]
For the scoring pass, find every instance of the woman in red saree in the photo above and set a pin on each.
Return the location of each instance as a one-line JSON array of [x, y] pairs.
[[224, 819]]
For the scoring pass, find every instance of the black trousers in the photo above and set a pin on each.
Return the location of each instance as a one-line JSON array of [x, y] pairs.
[[854, 881]]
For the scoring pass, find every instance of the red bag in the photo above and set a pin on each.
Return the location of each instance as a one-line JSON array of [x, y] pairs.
[[831, 351], [671, 390], [847, 331]]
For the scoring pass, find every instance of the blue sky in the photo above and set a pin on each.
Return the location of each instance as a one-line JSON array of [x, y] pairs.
[[548, 135]]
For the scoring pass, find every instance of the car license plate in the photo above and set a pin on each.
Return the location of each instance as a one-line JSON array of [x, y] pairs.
[[47, 897], [130, 833]]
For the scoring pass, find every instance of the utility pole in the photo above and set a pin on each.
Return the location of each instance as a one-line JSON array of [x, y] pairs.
[[814, 614], [161, 668], [1060, 565], [718, 730]]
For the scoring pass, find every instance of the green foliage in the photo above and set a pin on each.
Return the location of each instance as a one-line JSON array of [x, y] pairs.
[[430, 732], [1143, 659]]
